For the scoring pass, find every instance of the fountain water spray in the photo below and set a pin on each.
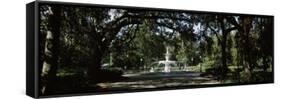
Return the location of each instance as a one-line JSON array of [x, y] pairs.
[[167, 62]]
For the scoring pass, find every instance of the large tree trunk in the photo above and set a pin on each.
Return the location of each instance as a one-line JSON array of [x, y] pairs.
[[42, 47], [224, 59], [246, 26], [95, 67], [223, 49], [101, 42], [49, 69], [248, 50]]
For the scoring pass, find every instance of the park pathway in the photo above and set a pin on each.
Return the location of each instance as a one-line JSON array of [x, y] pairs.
[[158, 80]]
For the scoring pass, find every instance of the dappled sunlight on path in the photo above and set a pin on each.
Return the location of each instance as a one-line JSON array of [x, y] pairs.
[[158, 80]]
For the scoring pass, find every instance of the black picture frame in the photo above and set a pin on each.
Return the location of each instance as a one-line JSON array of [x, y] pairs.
[[33, 55]]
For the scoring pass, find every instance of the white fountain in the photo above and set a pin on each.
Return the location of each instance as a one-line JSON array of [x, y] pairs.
[[167, 62]]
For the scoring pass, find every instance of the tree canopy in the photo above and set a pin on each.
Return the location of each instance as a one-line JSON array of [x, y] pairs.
[[82, 41]]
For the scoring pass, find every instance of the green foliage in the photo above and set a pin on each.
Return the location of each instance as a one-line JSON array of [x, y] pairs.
[[103, 41]]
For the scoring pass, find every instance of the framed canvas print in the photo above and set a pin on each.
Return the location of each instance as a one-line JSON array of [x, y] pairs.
[[78, 49]]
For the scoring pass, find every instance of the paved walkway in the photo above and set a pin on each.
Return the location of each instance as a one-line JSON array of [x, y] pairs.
[[159, 79]]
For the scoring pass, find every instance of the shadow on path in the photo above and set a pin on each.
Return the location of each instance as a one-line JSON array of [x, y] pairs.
[[158, 80]]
